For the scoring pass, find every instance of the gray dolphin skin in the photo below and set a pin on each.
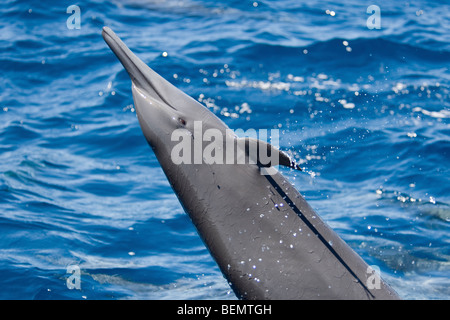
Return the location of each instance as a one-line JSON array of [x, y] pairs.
[[266, 239]]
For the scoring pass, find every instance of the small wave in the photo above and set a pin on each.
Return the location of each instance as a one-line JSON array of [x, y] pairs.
[[427, 206], [441, 114]]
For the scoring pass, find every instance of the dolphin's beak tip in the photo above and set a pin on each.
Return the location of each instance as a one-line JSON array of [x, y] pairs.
[[106, 31]]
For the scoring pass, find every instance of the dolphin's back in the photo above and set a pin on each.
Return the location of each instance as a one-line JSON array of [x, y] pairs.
[[268, 242]]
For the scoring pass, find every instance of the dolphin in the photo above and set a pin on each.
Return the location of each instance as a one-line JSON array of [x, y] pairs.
[[266, 239]]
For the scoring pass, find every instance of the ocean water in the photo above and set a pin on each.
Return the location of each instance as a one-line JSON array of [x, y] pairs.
[[365, 111]]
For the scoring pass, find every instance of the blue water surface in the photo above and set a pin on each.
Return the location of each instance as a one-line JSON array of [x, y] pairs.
[[365, 111]]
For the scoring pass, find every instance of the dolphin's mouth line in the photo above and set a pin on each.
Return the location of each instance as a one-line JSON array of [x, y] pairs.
[[151, 100], [131, 63]]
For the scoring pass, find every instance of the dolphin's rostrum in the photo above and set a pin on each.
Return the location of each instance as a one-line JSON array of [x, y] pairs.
[[268, 242]]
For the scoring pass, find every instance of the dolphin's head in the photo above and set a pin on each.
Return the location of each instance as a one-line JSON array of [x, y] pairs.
[[160, 106]]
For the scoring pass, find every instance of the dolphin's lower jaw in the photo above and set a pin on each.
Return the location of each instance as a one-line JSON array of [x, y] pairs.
[[268, 242]]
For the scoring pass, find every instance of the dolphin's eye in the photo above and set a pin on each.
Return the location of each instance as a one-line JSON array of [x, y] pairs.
[[182, 121]]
